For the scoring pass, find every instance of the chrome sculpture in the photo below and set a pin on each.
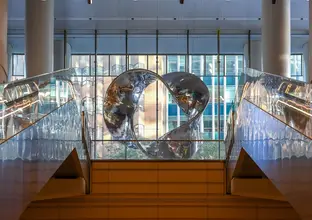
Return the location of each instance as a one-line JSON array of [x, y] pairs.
[[121, 102]]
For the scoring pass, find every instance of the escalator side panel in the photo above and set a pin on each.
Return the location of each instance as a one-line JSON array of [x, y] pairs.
[[281, 152], [31, 157]]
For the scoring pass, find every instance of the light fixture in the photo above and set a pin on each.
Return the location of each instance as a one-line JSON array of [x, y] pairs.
[[181, 2], [89, 2]]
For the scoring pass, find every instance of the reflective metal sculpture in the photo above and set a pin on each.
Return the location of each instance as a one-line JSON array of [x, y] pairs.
[[121, 102]]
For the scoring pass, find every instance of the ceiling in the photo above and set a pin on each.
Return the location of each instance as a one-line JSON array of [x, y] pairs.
[[196, 15]]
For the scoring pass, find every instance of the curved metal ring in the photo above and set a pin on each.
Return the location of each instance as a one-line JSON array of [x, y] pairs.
[[121, 102]]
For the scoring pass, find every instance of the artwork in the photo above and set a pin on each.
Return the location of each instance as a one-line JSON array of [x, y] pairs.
[[121, 102]]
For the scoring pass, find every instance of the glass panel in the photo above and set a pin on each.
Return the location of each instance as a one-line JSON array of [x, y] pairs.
[[210, 116], [109, 150], [135, 154], [175, 63], [234, 64], [129, 151], [161, 64], [111, 43], [197, 64], [296, 66], [19, 67], [29, 100], [102, 65], [117, 64], [232, 44], [228, 89], [196, 43], [285, 99], [172, 44], [267, 101], [92, 63], [141, 44], [81, 44], [82, 64], [42, 148], [137, 62], [208, 150], [212, 65]]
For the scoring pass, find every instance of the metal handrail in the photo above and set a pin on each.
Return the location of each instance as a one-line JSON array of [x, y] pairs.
[[86, 140]]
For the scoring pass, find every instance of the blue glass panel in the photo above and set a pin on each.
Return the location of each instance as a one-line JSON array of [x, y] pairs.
[[230, 80], [172, 110], [216, 108], [228, 108], [221, 108], [221, 135], [208, 80], [208, 110]]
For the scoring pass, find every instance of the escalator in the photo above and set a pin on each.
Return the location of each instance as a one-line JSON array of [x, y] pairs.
[[269, 139], [44, 147]]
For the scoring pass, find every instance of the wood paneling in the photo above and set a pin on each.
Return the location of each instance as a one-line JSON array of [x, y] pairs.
[[158, 179]]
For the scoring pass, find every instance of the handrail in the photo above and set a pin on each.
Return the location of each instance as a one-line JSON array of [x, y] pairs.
[[44, 75], [86, 140]]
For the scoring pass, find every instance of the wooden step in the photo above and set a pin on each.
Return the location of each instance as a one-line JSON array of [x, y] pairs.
[[212, 207], [158, 190]]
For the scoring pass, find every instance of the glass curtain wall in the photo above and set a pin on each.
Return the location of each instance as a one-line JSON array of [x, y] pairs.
[[98, 60]]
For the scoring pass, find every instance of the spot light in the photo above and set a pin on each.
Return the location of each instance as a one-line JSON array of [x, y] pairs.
[[181, 2], [89, 2]]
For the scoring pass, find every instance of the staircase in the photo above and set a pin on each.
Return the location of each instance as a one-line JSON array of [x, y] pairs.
[[158, 190]]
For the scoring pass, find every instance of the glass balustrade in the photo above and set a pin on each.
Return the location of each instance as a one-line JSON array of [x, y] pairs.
[[41, 127], [284, 99], [26, 101]]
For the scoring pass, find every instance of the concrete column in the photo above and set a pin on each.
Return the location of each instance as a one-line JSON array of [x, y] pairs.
[[59, 49], [9, 53], [276, 37], [255, 54], [39, 24], [306, 73], [3, 40]]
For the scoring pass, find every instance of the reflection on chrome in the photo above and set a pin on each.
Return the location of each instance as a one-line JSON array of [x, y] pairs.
[[26, 101], [122, 101], [288, 100]]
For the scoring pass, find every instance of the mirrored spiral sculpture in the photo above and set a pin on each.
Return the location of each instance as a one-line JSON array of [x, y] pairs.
[[122, 100]]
